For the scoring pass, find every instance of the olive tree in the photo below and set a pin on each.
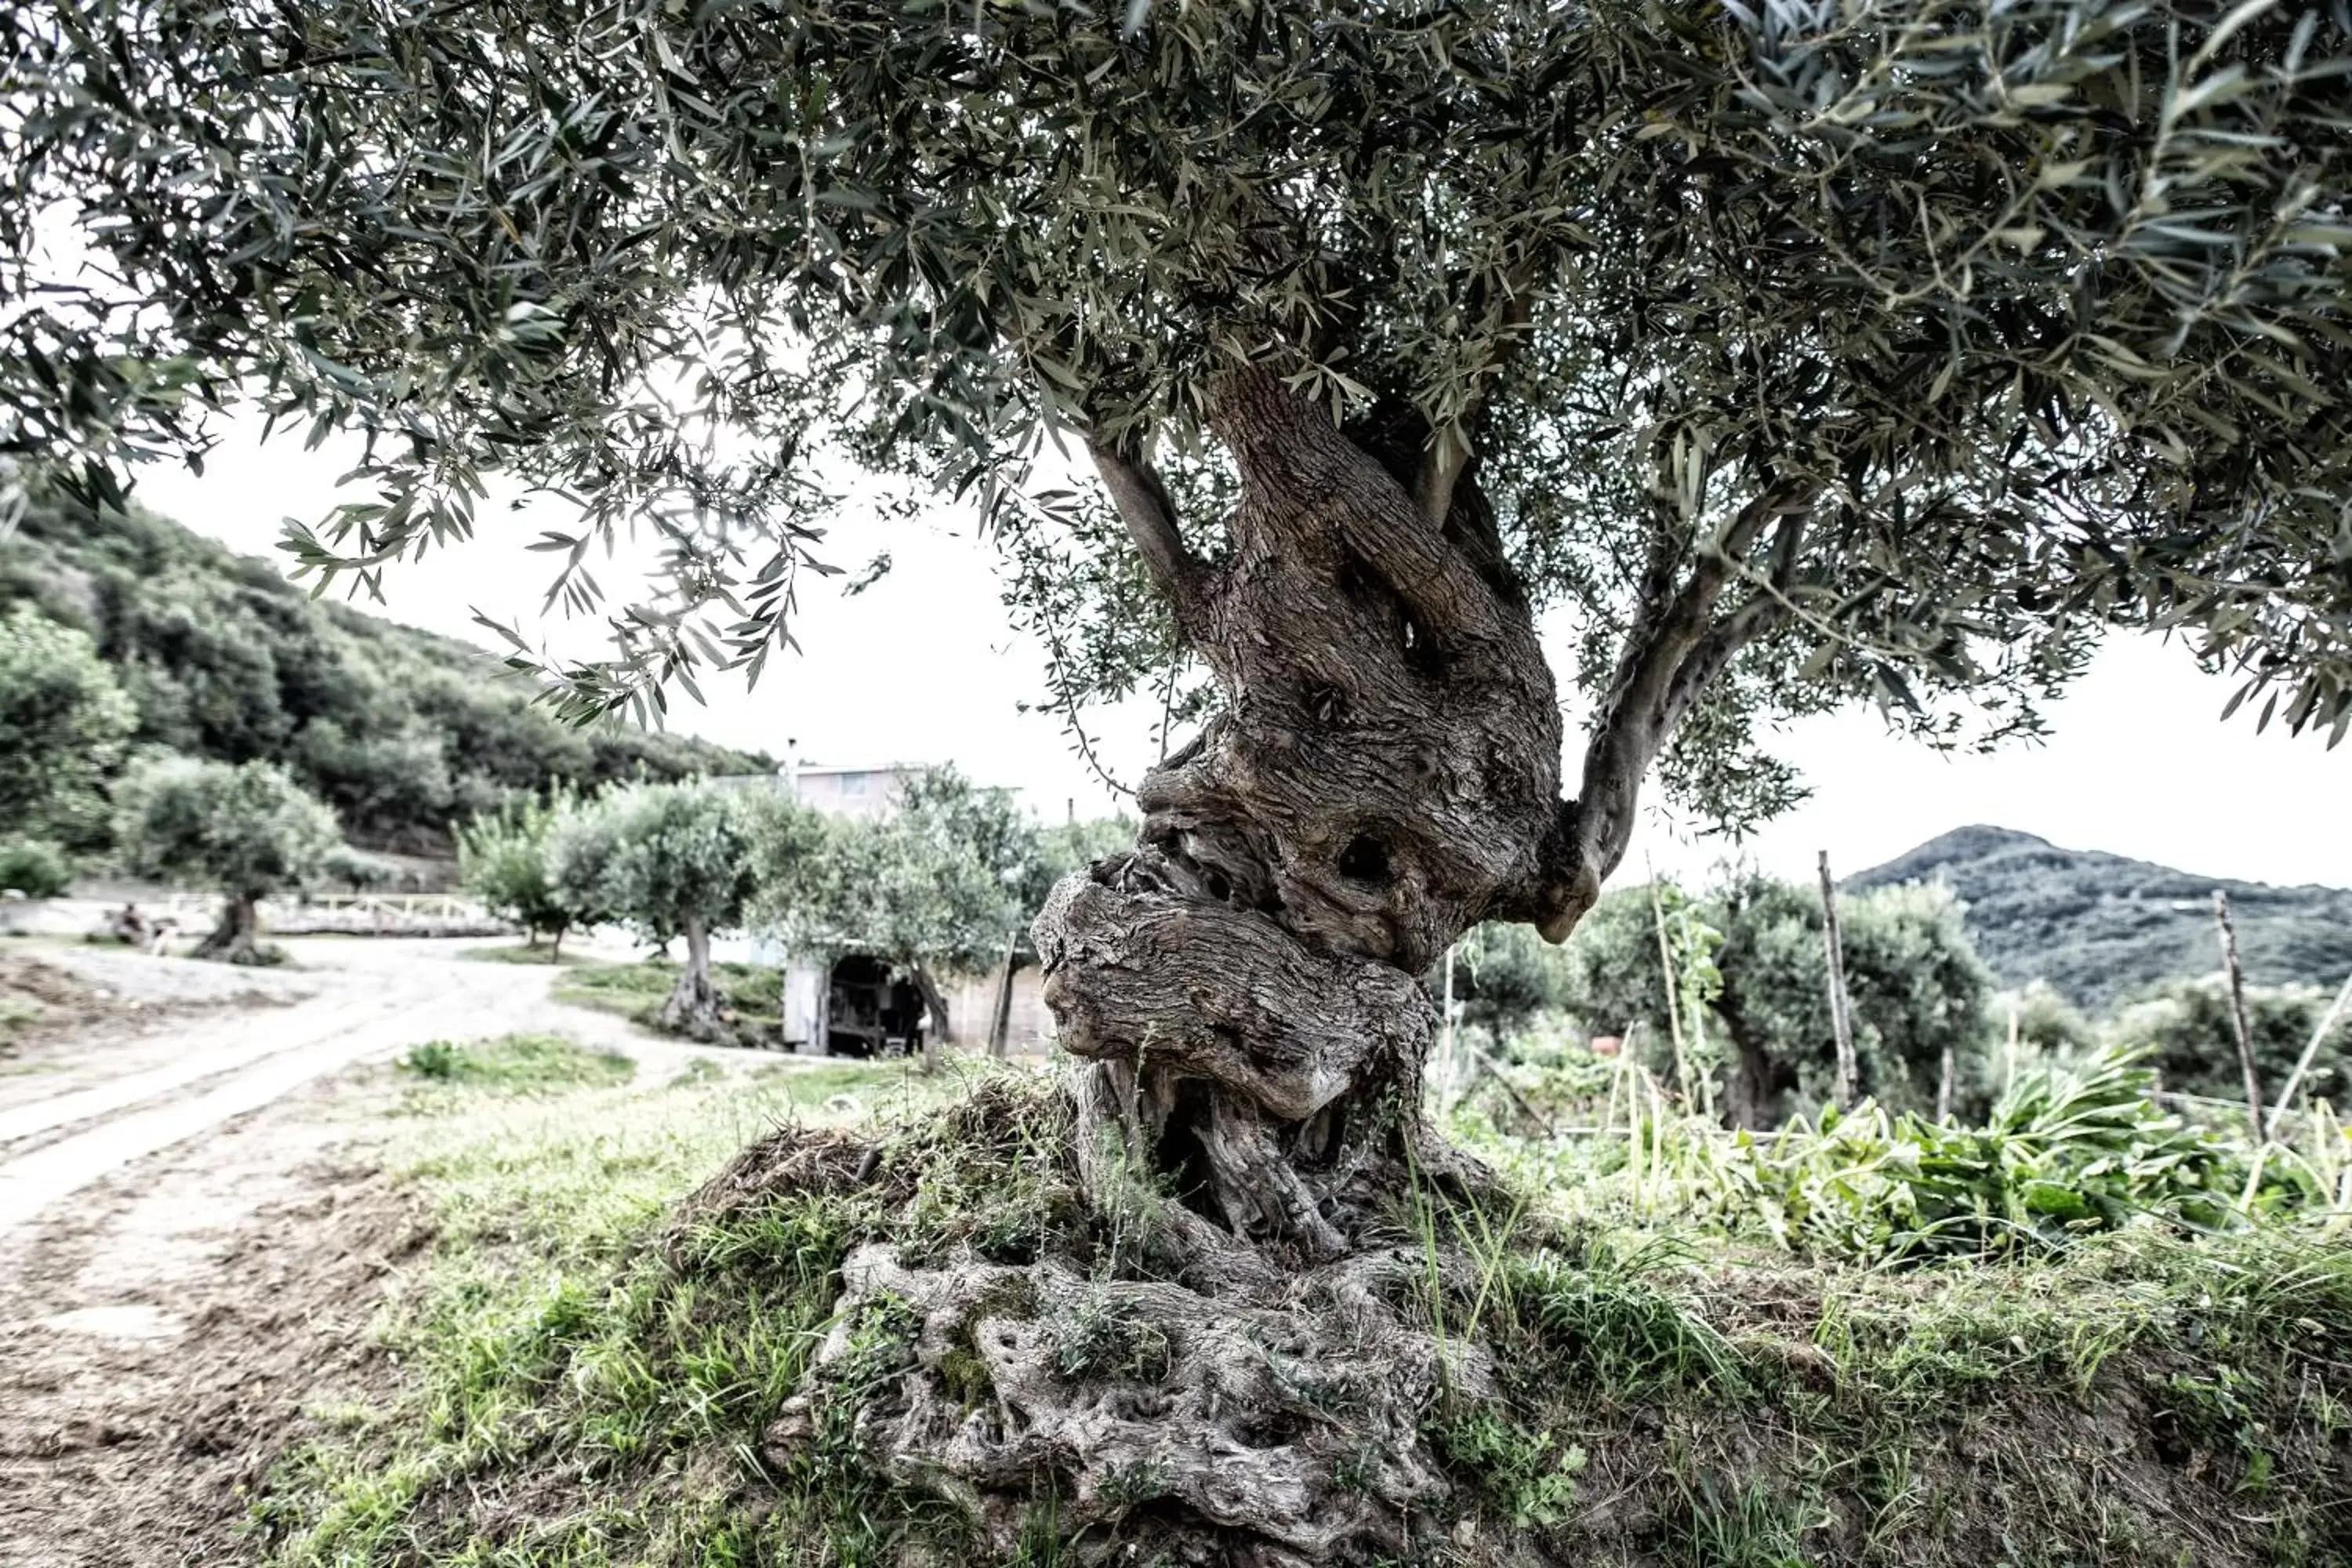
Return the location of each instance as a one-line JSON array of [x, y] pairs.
[[245, 831], [669, 860], [1917, 987], [503, 860], [1799, 356]]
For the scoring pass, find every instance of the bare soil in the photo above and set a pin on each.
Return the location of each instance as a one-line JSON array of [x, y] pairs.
[[195, 1230], [162, 1333], [54, 998]]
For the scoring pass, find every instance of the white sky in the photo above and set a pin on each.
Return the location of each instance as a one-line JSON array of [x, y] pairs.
[[923, 667]]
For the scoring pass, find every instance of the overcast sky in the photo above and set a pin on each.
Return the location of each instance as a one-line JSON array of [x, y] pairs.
[[923, 667]]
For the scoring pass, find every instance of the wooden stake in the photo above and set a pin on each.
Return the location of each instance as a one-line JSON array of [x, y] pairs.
[[1943, 1088], [1841, 1017], [1673, 1007], [2256, 1123], [999, 1022], [2008, 1070]]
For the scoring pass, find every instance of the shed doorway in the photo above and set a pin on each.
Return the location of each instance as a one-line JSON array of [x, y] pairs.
[[868, 1014]]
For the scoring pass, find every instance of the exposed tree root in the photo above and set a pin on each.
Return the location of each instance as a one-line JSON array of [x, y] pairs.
[[1138, 1370], [1279, 1428]]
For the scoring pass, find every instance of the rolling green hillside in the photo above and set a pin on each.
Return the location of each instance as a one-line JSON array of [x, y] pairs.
[[2098, 926], [398, 729]]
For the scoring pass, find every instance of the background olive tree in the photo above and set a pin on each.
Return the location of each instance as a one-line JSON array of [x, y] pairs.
[[1916, 985], [244, 832], [503, 860], [668, 861]]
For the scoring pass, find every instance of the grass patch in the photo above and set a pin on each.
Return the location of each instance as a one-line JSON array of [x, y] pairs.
[[543, 955], [518, 1064], [588, 1362], [585, 1372], [753, 991]]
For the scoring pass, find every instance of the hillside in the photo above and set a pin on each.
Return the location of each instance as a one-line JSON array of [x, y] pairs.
[[2098, 926], [398, 729]]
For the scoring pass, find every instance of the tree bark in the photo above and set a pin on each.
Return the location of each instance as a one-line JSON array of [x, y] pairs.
[[2256, 1122], [935, 1009], [694, 1002], [1384, 774], [236, 939], [1242, 991]]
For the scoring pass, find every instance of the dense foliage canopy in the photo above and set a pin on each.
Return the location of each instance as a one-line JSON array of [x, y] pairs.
[[1889, 351], [1916, 985], [502, 859], [947, 882]]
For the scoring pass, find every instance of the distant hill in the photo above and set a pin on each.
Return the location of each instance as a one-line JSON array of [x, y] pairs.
[[2098, 926], [398, 729]]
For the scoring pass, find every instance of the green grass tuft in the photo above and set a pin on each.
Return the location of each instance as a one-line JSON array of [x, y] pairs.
[[543, 955], [518, 1064]]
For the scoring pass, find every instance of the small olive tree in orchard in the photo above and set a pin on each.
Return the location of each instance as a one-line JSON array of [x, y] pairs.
[[1798, 356], [669, 860], [1916, 985], [503, 860], [245, 831]]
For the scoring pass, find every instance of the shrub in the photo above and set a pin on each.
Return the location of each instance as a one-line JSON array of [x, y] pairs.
[[34, 866]]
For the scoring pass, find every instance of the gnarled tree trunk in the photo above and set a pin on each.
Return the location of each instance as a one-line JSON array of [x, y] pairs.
[[1242, 989], [237, 937], [1385, 774], [692, 1009]]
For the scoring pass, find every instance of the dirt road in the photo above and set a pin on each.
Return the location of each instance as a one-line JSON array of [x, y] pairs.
[[192, 1234]]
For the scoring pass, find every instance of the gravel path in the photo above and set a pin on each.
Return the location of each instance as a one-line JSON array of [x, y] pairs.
[[101, 1101], [194, 1234]]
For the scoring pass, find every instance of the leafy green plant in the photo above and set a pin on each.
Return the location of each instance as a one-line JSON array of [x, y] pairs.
[[1529, 1477], [2065, 1150]]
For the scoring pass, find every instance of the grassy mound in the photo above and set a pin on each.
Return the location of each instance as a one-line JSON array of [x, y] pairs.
[[628, 1285]]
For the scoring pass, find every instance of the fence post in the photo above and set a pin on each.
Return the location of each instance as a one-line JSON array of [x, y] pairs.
[[2257, 1125], [1674, 1005], [1841, 1017], [1840, 1006]]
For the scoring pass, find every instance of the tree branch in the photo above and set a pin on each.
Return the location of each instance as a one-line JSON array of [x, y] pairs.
[[1672, 654], [1143, 504]]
